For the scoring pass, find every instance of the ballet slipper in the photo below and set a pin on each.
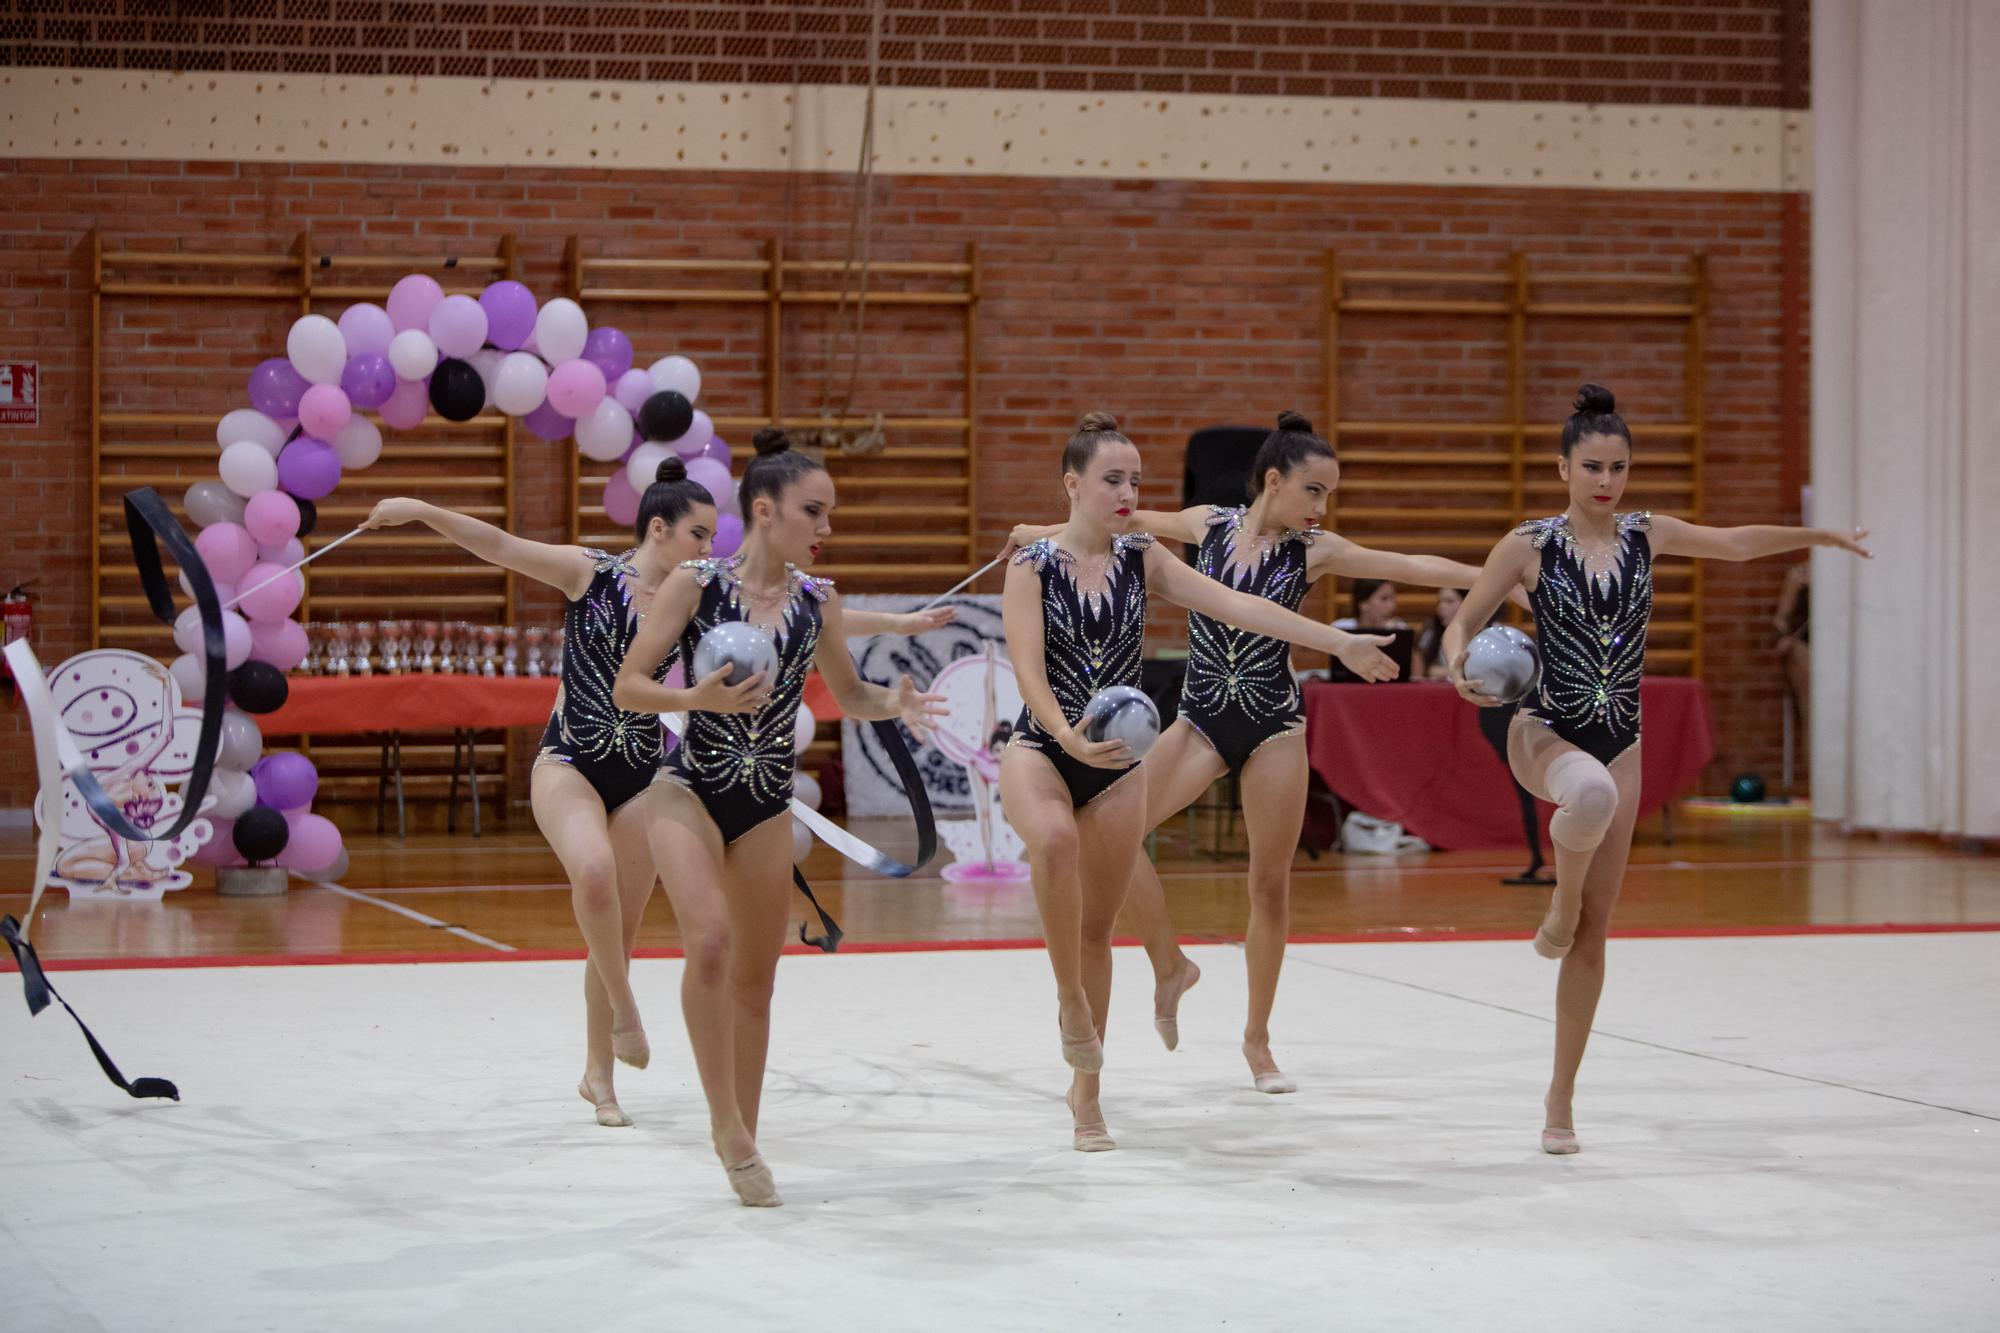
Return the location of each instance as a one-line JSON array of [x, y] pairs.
[[1271, 1080], [753, 1183], [609, 1113], [1168, 1025], [1559, 1142], [1091, 1136], [631, 1047], [1085, 1054], [1557, 934]]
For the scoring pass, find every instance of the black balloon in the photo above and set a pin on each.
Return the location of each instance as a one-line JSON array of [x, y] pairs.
[[261, 834], [457, 392], [665, 416], [258, 687], [308, 517]]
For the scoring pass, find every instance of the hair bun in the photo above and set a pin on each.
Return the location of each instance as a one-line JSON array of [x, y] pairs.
[[670, 471], [1595, 400], [771, 440], [1097, 421], [1292, 421]]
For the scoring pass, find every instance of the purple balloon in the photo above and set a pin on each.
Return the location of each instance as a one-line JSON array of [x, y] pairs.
[[709, 475], [284, 780], [632, 389], [368, 380], [717, 449], [545, 423], [728, 536], [609, 350], [314, 844], [309, 469], [621, 502], [510, 314], [276, 387]]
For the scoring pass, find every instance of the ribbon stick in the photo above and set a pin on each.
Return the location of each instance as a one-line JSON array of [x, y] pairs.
[[293, 567], [964, 582]]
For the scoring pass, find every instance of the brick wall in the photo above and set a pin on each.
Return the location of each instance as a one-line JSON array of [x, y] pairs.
[[1676, 52], [1175, 304]]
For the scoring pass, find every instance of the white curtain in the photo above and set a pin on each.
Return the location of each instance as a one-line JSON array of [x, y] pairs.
[[1906, 413]]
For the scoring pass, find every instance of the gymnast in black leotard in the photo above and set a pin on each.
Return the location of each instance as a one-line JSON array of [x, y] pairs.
[[719, 804], [1241, 710], [1588, 573], [596, 757], [1075, 609]]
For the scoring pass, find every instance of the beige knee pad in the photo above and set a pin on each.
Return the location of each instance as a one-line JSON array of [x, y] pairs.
[[1588, 798]]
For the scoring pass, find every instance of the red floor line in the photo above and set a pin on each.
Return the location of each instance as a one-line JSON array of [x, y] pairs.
[[1411, 936]]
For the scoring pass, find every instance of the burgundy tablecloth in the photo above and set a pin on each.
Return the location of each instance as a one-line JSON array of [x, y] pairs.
[[345, 705], [1413, 753]]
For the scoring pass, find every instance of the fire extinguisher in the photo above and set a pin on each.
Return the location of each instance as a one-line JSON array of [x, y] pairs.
[[18, 615]]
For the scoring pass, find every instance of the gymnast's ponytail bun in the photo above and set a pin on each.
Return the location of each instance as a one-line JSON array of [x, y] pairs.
[[669, 498], [1285, 449], [1094, 430], [1596, 414], [776, 466]]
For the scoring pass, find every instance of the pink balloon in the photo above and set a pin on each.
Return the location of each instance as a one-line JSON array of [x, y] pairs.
[[227, 549], [411, 301], [284, 555], [367, 329], [576, 388], [407, 405], [458, 326], [700, 431], [712, 477], [621, 502], [632, 390], [220, 849], [272, 518], [282, 643], [314, 844], [324, 411], [278, 595]]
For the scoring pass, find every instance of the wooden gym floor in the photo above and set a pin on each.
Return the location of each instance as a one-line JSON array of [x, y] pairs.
[[435, 896]]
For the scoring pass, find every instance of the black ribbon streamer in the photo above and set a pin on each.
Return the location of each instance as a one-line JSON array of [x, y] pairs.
[[39, 992], [148, 522], [920, 810]]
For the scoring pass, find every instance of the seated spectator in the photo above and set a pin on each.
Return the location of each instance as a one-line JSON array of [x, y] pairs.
[[1430, 639], [1374, 607]]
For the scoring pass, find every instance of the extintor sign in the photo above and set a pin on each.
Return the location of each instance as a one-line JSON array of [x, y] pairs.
[[20, 393]]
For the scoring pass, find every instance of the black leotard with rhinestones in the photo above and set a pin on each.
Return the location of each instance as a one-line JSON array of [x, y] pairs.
[[739, 765], [618, 752], [1591, 629], [1239, 692], [1089, 641]]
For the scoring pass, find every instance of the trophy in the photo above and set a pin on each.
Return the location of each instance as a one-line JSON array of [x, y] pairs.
[[364, 650], [510, 640], [427, 646], [538, 639]]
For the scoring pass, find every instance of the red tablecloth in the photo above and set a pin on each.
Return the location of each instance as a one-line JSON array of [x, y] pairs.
[[1413, 753], [346, 705]]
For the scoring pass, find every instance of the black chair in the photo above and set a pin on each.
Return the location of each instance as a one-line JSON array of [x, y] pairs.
[[1217, 472]]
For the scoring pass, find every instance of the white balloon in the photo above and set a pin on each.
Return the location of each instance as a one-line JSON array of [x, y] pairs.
[[317, 349], [560, 331], [413, 354], [247, 423], [806, 788], [188, 674], [242, 741], [248, 469], [803, 737], [643, 468], [359, 443], [487, 362], [802, 841], [289, 553], [187, 630], [520, 383], [234, 793], [675, 373], [606, 433]]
